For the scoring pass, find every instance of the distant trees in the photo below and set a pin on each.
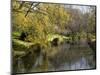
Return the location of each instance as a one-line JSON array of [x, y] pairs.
[[92, 20]]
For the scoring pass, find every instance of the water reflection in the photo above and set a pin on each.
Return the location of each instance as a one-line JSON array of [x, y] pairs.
[[64, 57], [80, 64]]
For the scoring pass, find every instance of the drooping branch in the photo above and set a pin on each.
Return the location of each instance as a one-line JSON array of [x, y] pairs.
[[31, 6], [29, 9]]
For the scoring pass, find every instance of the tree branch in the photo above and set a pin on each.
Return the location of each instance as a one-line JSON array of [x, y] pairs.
[[31, 7]]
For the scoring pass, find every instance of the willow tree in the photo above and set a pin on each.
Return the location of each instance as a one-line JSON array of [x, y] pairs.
[[39, 20]]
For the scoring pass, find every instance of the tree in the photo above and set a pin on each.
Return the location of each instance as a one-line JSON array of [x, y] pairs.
[[39, 19]]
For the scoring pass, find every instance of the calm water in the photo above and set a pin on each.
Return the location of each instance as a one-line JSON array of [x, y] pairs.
[[64, 57]]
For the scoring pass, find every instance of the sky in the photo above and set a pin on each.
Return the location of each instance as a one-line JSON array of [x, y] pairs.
[[83, 8]]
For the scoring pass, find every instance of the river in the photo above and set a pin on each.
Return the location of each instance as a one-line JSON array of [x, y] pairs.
[[65, 57]]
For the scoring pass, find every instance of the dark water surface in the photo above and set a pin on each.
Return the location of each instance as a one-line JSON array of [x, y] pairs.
[[64, 57]]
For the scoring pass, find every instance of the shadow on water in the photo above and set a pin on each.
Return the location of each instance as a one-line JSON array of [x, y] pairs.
[[64, 57]]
